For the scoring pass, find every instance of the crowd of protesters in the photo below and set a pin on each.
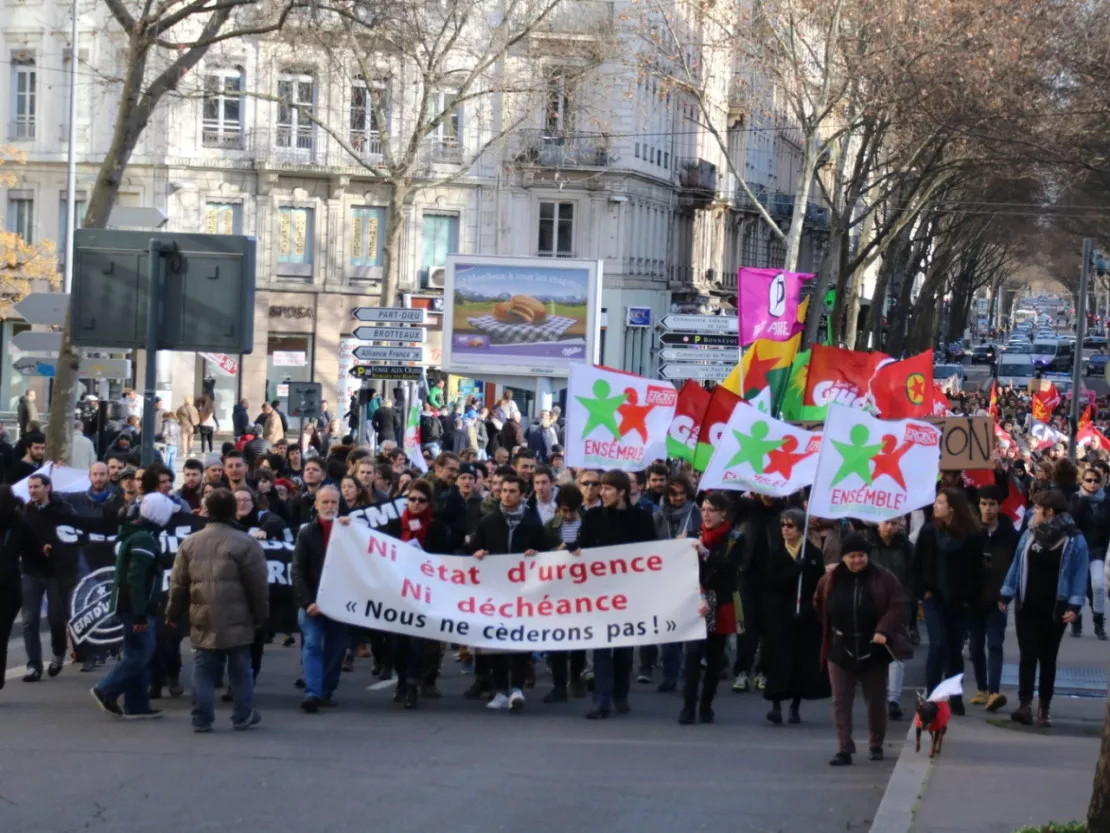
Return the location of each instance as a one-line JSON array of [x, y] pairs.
[[797, 608]]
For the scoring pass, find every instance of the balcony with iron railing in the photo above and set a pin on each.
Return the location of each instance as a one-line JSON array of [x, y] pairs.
[[782, 206], [222, 136], [742, 202], [22, 130], [817, 217], [288, 144], [442, 150], [697, 180], [368, 146], [569, 150]]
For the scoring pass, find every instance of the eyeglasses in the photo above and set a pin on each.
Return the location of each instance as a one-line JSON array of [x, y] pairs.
[[788, 525], [418, 500], [1090, 480], [591, 484]]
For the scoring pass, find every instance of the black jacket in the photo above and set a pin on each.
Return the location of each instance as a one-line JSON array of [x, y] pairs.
[[240, 420], [895, 556], [1001, 547], [954, 575], [18, 544], [384, 423], [603, 527], [308, 564], [1093, 520], [44, 520], [494, 537]]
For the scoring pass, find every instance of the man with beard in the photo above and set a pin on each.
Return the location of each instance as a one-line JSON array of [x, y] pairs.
[[95, 500], [325, 640], [192, 482], [34, 444], [44, 512]]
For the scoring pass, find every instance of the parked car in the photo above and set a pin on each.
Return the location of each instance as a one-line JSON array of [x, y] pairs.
[[1096, 364]]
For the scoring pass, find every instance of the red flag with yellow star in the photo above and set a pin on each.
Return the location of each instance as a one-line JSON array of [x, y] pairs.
[[766, 364], [1084, 419], [904, 389], [1045, 402]]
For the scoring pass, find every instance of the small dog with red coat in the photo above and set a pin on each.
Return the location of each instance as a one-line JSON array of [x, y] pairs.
[[932, 716]]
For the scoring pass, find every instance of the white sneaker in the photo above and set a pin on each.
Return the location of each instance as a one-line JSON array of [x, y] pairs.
[[516, 700], [501, 701]]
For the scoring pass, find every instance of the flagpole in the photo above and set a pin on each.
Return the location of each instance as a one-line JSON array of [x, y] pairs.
[[740, 328]]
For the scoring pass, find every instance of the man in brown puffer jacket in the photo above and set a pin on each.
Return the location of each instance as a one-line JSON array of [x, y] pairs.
[[220, 574]]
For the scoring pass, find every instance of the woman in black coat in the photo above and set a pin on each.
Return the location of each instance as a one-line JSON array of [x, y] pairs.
[[791, 629], [17, 541]]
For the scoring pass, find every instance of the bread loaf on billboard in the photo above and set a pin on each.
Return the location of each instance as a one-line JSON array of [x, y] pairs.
[[528, 308]]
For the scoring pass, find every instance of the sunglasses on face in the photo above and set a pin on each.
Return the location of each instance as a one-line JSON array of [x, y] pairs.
[[591, 484], [788, 525], [1090, 480], [418, 500]]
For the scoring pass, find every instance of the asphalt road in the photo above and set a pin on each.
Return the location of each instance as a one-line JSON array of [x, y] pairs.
[[452, 765]]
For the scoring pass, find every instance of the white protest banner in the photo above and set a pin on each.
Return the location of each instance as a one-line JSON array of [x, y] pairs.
[[616, 420], [608, 597], [763, 455], [63, 479], [874, 469]]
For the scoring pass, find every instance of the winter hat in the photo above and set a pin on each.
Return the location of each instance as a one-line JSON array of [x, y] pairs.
[[854, 542], [213, 459], [157, 508], [467, 468]]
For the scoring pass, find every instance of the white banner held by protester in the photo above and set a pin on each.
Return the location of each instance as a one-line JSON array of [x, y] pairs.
[[763, 455], [616, 420], [608, 597], [874, 469], [63, 479]]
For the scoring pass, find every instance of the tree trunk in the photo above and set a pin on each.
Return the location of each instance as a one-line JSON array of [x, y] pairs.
[[391, 254], [1098, 811]]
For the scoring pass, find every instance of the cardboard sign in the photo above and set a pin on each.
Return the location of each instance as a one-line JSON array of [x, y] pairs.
[[966, 442]]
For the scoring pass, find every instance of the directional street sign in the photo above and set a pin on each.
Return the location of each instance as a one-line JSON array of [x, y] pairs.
[[410, 334], [31, 341], [701, 323], [716, 372], [47, 308], [366, 353], [391, 315], [696, 354], [145, 217], [700, 339], [389, 372], [89, 369]]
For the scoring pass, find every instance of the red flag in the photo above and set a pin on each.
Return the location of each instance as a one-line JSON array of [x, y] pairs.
[[940, 401], [1092, 436], [682, 436], [993, 408], [903, 389], [837, 375], [1084, 419], [713, 423], [1045, 402], [1014, 506]]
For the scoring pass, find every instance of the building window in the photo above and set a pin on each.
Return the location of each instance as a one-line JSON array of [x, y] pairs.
[[21, 215], [222, 126], [297, 94], [295, 232], [556, 229], [558, 115], [368, 116], [223, 218], [288, 359], [24, 98], [63, 221], [367, 236], [440, 238], [445, 137]]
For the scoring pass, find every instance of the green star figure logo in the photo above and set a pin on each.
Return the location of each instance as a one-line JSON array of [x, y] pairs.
[[856, 456], [602, 409], [754, 446]]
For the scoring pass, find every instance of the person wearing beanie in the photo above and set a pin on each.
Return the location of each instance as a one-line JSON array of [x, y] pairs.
[[136, 589], [863, 615]]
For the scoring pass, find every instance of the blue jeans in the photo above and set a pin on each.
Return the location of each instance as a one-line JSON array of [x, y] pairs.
[[987, 629], [208, 666], [946, 624], [170, 456], [612, 675], [325, 642], [33, 589], [131, 675]]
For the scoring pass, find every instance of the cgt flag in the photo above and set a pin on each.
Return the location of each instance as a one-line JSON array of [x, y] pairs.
[[682, 436], [874, 469], [837, 375], [763, 455], [1045, 402], [721, 405], [616, 420], [904, 389], [769, 304]]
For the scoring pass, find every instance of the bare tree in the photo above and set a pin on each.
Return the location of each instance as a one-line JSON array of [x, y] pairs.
[[163, 41]]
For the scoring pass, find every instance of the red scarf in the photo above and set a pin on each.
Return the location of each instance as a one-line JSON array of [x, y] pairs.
[[421, 534], [326, 527], [710, 538]]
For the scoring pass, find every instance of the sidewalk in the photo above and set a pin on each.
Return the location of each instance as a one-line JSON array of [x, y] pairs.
[[995, 776]]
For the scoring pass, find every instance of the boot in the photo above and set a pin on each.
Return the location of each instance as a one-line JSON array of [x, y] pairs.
[[1077, 626], [1044, 720], [1100, 626]]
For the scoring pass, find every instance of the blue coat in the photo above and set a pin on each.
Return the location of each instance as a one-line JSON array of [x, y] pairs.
[[1072, 585]]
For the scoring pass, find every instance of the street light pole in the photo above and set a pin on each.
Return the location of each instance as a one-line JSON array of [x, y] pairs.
[[1080, 334], [71, 161]]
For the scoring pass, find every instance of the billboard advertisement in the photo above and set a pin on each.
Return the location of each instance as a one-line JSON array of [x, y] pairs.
[[520, 316]]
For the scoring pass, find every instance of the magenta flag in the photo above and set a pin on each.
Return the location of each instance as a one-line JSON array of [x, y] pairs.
[[768, 304]]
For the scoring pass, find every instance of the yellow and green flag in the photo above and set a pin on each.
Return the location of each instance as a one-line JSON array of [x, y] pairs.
[[791, 404]]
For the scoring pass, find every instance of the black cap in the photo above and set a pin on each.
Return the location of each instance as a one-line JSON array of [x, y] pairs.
[[467, 468], [854, 542]]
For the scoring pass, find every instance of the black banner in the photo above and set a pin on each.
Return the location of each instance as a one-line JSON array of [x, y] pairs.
[[84, 558]]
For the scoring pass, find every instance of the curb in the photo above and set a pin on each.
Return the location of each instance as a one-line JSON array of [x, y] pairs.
[[897, 810]]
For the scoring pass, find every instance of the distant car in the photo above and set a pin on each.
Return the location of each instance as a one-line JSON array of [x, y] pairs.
[[984, 354], [1096, 364]]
